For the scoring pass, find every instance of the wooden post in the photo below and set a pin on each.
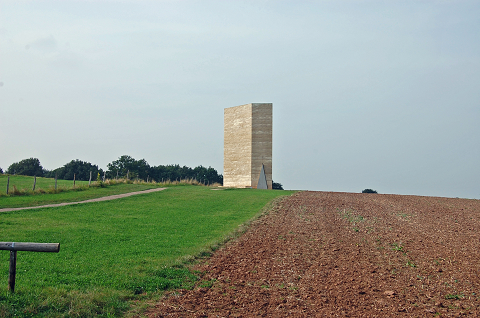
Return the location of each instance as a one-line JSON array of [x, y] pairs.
[[12, 271], [34, 182], [74, 180], [104, 176], [116, 176], [128, 172], [55, 181], [8, 183], [147, 178], [31, 247], [90, 180]]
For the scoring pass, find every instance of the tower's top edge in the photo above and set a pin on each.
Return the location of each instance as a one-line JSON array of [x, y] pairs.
[[253, 105]]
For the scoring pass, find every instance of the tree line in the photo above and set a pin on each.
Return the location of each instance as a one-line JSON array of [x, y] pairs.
[[123, 167]]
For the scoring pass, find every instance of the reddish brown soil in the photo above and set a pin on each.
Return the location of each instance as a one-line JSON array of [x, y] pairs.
[[321, 254]]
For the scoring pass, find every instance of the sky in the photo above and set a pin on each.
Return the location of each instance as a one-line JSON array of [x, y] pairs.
[[366, 94]]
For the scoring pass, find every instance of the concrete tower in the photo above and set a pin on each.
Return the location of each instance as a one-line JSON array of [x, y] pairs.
[[247, 157]]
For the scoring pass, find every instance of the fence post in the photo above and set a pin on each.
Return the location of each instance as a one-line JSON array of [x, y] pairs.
[[55, 181], [74, 180], [128, 172], [8, 183], [12, 271], [104, 176], [34, 182], [90, 180]]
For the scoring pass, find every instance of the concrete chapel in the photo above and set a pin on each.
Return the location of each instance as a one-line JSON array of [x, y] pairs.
[[247, 160]]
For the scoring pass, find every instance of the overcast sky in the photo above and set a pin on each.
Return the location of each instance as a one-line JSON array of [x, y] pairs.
[[366, 94]]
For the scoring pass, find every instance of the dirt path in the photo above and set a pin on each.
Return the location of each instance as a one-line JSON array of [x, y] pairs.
[[107, 198], [322, 254]]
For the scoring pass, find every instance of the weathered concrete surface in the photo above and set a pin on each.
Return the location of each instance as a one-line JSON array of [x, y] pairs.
[[247, 145]]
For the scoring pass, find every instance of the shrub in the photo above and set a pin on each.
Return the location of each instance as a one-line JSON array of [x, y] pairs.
[[369, 191], [277, 186], [1, 171]]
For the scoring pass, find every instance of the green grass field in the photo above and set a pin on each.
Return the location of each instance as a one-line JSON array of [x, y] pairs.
[[114, 253], [24, 182]]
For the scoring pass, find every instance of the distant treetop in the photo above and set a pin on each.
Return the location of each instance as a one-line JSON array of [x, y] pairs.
[[27, 167], [123, 167], [369, 191], [140, 169], [81, 170]]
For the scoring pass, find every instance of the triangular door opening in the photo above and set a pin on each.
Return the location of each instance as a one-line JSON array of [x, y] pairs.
[[262, 181]]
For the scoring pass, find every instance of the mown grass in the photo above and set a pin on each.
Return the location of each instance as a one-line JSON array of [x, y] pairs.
[[115, 253]]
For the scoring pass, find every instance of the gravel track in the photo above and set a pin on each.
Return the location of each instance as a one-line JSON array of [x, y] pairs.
[[324, 254]]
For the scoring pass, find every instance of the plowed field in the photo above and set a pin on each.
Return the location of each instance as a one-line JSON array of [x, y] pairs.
[[323, 254]]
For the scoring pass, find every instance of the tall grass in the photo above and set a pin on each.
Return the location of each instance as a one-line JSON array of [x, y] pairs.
[[167, 183]]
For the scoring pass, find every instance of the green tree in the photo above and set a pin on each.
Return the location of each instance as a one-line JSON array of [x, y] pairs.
[[1, 171], [141, 169], [81, 169], [27, 167], [135, 168], [369, 191], [206, 175]]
